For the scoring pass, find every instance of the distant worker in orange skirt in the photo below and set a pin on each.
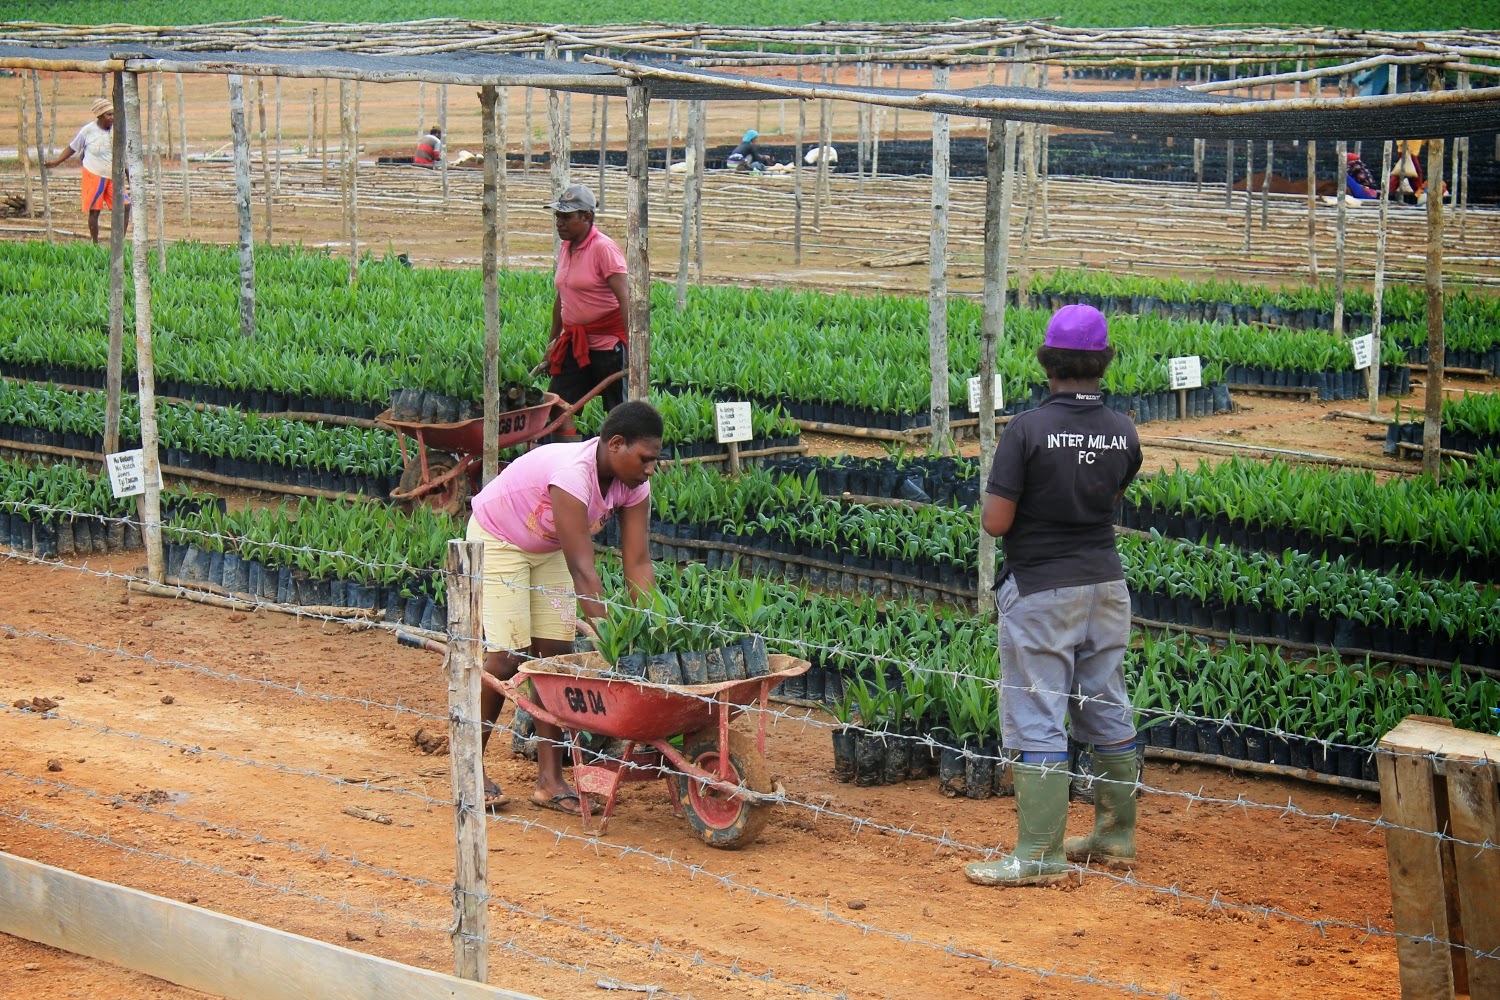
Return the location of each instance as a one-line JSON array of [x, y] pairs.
[[95, 143]]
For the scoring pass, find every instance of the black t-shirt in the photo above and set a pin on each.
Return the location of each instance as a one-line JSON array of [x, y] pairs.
[[1063, 464]]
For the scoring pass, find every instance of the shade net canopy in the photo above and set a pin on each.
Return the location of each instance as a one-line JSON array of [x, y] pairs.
[[1171, 110]]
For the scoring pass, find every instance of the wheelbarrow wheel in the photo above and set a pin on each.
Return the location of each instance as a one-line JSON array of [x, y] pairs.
[[452, 498], [721, 819]]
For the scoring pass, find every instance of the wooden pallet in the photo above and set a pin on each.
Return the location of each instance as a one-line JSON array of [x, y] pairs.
[[1438, 790]]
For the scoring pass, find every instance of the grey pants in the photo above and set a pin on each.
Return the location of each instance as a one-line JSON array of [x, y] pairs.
[[1062, 654]]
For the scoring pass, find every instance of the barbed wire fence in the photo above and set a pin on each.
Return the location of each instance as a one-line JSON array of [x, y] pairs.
[[818, 811]]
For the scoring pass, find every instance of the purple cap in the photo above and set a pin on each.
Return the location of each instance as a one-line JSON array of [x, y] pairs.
[[1077, 328]]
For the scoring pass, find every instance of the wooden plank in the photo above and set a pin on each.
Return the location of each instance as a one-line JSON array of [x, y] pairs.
[[1474, 814], [1416, 734], [203, 950], [1418, 900]]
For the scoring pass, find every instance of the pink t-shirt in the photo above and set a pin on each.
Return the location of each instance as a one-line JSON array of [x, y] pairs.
[[582, 282], [517, 506]]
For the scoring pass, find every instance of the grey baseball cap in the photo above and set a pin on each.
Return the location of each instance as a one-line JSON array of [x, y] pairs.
[[577, 198]]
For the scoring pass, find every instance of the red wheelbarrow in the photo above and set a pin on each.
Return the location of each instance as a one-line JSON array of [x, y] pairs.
[[442, 470], [718, 780]]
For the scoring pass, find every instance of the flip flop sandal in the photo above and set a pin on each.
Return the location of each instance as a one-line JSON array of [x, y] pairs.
[[556, 803], [494, 798]]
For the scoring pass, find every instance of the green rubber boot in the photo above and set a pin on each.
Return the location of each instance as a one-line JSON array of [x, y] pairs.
[[1113, 841], [1041, 815]]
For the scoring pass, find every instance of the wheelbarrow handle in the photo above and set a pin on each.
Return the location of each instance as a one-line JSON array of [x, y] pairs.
[[418, 642], [574, 408]]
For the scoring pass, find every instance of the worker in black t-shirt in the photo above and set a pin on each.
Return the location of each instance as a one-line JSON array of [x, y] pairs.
[[1058, 473]]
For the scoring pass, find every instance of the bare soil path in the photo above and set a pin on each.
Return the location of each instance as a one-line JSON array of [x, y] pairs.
[[231, 796]]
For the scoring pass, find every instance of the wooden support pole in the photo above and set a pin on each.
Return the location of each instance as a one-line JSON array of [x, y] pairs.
[[159, 194], [604, 147], [502, 194], [1229, 166], [312, 119], [1377, 310], [465, 662], [526, 134], [797, 183], [182, 138], [637, 247], [559, 170], [278, 135], [1249, 189], [240, 134], [1436, 350], [1460, 189], [1340, 234], [937, 276], [999, 192], [489, 211], [350, 120], [324, 174], [116, 361], [689, 190], [421, 110], [1312, 196], [700, 108], [145, 370], [666, 179], [443, 124], [825, 139], [43, 154], [861, 130], [1265, 187], [23, 153], [265, 160]]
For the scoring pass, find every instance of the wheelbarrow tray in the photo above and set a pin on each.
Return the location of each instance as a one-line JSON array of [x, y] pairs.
[[466, 437], [577, 692]]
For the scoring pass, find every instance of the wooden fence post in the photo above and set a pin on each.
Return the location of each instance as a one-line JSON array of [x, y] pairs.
[[465, 662], [1438, 794]]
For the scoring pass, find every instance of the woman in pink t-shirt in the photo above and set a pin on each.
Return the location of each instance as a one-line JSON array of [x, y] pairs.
[[537, 520], [587, 343]]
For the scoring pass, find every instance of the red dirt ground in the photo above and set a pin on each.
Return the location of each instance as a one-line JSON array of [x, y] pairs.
[[251, 762]]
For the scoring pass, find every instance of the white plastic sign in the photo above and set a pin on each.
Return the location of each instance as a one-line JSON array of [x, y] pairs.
[[1186, 373], [127, 473], [974, 395], [1364, 351], [733, 422]]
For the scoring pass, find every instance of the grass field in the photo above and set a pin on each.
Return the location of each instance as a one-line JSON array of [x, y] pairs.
[[1385, 14]]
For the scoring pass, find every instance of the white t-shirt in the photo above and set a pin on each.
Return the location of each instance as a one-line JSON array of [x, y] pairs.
[[97, 146]]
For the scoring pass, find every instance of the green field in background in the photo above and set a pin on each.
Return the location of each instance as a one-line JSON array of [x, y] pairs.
[[1385, 14]]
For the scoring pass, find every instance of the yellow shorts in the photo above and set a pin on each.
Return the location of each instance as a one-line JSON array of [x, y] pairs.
[[527, 595]]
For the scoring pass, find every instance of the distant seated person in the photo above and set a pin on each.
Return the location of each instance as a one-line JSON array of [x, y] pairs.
[[747, 157], [430, 149], [1360, 182]]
